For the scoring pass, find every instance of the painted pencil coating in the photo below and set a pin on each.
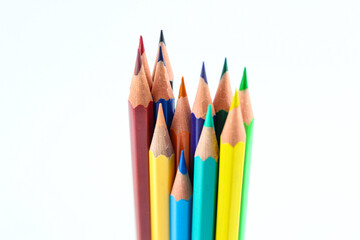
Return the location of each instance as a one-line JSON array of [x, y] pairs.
[[161, 171], [205, 182], [249, 129], [160, 187], [180, 218], [232, 151], [141, 132], [181, 204], [248, 117]]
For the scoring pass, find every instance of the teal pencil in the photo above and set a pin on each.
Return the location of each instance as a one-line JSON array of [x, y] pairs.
[[205, 182]]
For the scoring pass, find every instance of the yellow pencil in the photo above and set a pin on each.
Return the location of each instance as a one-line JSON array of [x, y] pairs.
[[232, 152], [161, 167]]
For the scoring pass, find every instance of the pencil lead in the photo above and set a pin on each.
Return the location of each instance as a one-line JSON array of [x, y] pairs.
[[162, 39], [182, 165], [138, 63], [209, 122], [182, 90], [161, 57], [203, 73], [225, 68], [243, 84], [235, 102], [141, 45]]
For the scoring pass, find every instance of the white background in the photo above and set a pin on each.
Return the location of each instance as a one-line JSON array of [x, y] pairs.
[[65, 71]]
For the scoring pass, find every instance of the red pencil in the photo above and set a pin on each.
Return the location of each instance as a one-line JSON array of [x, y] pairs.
[[141, 121]]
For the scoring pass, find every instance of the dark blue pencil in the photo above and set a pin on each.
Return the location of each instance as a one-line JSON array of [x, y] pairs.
[[162, 92]]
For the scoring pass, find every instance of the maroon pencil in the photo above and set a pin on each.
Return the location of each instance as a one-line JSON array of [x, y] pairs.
[[141, 122]]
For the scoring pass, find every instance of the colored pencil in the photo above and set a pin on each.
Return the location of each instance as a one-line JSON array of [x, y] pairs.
[[205, 181], [161, 167], [181, 204], [180, 126], [141, 127], [162, 92], [162, 44], [248, 117], [222, 101], [232, 151], [145, 62], [198, 114]]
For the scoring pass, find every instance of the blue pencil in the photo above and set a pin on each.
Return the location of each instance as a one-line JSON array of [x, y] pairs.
[[162, 92], [181, 204], [198, 114]]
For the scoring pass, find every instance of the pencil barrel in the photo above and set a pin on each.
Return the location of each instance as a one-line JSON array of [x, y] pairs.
[[161, 178], [229, 193], [205, 192], [141, 129], [180, 218], [249, 129]]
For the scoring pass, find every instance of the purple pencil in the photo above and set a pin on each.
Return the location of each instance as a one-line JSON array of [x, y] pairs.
[[198, 114]]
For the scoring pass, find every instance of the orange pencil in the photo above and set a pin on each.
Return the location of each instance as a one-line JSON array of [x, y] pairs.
[[180, 127]]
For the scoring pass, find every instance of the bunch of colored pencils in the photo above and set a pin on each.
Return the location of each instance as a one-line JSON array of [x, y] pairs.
[[191, 167]]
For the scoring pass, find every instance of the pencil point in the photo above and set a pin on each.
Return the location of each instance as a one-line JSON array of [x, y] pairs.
[[243, 84], [162, 39], [182, 165], [182, 90], [161, 57], [235, 101], [203, 73], [138, 63], [225, 68], [141, 45], [209, 122], [160, 116]]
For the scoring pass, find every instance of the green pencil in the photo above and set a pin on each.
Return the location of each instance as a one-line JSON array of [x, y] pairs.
[[222, 101], [205, 182], [248, 117]]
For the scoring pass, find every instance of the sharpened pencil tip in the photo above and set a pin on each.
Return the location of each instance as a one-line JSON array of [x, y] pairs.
[[182, 165], [182, 90], [225, 68], [161, 57], [160, 117], [209, 121], [203, 73], [162, 39], [243, 84], [141, 45], [138, 63], [235, 102]]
